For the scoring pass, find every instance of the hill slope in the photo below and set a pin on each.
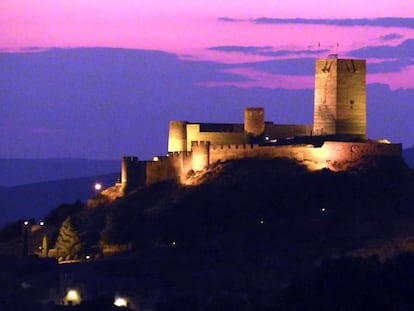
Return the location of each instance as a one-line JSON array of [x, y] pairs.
[[250, 226]]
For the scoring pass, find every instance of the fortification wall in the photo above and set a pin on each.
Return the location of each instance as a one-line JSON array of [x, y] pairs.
[[177, 136], [231, 152], [333, 155], [173, 167], [215, 138], [287, 130], [133, 173], [254, 124], [200, 155], [342, 155]]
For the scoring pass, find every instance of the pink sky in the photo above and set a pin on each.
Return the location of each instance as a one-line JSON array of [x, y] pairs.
[[189, 27]]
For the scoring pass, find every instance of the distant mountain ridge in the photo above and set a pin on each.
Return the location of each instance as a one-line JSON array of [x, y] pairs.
[[15, 172], [37, 199]]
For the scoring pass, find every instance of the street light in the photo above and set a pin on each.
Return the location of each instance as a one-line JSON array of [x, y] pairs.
[[97, 186], [25, 238], [120, 302]]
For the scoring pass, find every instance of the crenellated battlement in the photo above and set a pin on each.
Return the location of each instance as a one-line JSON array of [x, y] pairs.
[[234, 146], [177, 154], [130, 159], [200, 143]]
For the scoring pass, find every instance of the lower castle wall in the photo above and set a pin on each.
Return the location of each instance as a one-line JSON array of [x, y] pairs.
[[342, 154], [333, 155], [172, 167]]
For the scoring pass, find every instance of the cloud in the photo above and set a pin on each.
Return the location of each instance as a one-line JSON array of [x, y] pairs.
[[389, 66], [104, 103], [402, 50], [264, 50], [386, 22], [294, 66], [391, 36], [241, 49], [389, 114], [230, 20], [294, 52]]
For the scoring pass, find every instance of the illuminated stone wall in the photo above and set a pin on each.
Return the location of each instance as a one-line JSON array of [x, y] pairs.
[[254, 121], [217, 138], [336, 156], [200, 155], [275, 131], [173, 167], [177, 136], [340, 97], [332, 155]]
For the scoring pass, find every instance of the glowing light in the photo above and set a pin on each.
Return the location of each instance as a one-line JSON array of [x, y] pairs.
[[98, 186], [73, 296], [155, 159], [262, 221], [120, 302], [87, 257], [267, 137], [323, 209], [26, 223], [173, 243], [384, 141], [42, 223]]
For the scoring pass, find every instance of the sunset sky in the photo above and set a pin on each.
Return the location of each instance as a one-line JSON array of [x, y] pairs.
[[101, 79]]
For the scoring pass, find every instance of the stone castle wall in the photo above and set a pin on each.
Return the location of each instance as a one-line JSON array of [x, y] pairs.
[[133, 173], [174, 166], [333, 155], [218, 138], [287, 130]]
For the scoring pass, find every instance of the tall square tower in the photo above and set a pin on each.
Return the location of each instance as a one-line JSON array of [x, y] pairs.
[[340, 97]]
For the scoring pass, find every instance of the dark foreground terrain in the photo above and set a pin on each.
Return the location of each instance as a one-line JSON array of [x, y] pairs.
[[255, 235]]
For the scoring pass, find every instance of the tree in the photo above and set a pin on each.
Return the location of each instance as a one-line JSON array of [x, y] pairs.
[[68, 243]]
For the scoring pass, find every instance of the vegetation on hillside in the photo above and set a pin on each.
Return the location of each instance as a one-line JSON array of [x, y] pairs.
[[246, 229]]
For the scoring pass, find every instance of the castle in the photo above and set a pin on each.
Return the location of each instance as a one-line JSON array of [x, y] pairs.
[[336, 140]]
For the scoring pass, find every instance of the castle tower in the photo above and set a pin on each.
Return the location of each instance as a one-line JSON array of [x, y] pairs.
[[340, 97], [200, 154], [254, 124], [177, 136]]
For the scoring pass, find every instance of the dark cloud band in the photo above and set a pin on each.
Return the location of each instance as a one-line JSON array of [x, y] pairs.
[[387, 22]]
